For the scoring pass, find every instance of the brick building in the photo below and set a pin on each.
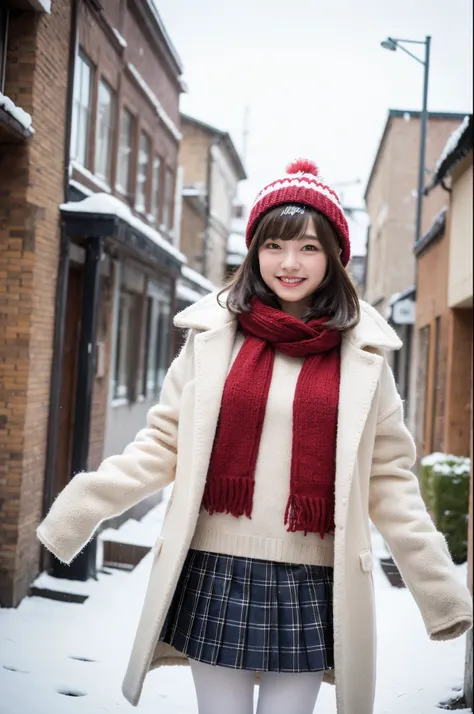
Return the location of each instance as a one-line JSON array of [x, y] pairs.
[[34, 65], [212, 169], [391, 204], [89, 253], [444, 323]]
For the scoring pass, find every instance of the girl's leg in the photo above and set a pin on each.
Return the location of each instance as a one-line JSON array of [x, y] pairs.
[[221, 690], [282, 693]]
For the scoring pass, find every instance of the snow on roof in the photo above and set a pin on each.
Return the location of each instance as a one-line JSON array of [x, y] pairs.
[[106, 205], [17, 113], [194, 277], [165, 118], [452, 142]]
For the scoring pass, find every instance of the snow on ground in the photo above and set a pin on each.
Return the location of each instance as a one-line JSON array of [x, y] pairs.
[[49, 647]]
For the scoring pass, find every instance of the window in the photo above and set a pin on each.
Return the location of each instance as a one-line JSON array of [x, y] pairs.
[[104, 131], [238, 210], [142, 174], [161, 345], [167, 208], [148, 377], [3, 45], [81, 110], [155, 189], [121, 375], [124, 151]]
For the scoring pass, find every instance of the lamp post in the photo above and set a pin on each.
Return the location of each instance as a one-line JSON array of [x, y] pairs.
[[392, 44]]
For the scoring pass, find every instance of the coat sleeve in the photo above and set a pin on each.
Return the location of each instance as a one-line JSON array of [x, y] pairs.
[[147, 465], [399, 513]]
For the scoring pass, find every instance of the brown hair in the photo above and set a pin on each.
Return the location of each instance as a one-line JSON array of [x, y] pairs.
[[336, 296]]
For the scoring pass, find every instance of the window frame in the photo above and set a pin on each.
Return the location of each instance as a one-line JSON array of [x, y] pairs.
[[144, 185], [124, 112], [109, 125], [4, 23], [168, 197], [156, 188], [121, 389], [78, 111]]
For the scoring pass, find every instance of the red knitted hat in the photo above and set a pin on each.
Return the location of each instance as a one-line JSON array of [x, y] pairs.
[[302, 185]]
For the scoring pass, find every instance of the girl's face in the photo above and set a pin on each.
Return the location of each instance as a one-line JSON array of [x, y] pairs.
[[293, 269]]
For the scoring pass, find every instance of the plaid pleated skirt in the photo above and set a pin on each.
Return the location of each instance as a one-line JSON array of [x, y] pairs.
[[252, 614]]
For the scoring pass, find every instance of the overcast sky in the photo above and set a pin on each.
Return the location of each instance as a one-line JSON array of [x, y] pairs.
[[313, 74]]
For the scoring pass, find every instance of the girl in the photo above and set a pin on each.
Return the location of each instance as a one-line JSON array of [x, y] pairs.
[[282, 429]]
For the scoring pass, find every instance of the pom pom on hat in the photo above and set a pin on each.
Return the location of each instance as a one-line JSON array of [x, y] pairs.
[[304, 166]]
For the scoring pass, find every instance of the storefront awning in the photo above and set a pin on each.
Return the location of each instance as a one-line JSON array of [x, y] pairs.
[[102, 215]]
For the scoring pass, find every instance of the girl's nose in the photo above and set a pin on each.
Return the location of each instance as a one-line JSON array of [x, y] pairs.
[[290, 260]]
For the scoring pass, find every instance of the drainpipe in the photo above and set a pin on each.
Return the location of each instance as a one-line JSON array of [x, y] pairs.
[[61, 285]]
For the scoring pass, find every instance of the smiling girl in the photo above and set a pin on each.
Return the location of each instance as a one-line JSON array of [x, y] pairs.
[[282, 429]]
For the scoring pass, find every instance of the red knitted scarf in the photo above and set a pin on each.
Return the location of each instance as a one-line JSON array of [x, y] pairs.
[[230, 480]]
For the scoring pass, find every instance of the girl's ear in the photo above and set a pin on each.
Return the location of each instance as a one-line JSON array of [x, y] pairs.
[[340, 252]]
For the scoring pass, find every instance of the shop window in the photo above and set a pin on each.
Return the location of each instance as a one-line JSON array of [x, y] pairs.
[[122, 347]]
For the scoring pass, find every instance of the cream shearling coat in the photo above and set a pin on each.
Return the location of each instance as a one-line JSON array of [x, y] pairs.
[[374, 456]]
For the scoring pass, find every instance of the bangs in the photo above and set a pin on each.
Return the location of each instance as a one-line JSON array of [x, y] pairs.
[[276, 224]]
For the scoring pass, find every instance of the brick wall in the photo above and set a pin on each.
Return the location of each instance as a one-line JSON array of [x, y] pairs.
[[432, 311], [194, 154], [31, 187], [193, 225]]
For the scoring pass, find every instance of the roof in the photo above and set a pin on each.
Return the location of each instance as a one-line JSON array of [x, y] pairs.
[[458, 146], [225, 138], [162, 30], [434, 232], [400, 114]]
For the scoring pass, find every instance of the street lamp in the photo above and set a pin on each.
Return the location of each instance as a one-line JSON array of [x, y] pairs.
[[392, 44]]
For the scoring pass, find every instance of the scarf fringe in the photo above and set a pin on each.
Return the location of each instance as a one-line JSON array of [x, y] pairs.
[[311, 514], [229, 494]]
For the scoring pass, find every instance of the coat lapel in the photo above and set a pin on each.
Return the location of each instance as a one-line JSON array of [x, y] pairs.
[[211, 374], [360, 371]]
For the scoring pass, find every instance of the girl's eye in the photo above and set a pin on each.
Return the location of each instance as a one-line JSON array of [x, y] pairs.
[[273, 246], [310, 248]]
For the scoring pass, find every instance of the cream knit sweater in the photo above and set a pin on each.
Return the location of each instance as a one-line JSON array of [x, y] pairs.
[[264, 536]]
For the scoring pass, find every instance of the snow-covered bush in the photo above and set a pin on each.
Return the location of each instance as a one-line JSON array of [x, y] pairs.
[[445, 488]]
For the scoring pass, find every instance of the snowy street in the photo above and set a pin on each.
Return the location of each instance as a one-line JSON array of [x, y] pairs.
[[62, 658]]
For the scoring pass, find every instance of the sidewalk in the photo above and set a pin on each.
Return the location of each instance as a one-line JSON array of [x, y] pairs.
[[49, 647]]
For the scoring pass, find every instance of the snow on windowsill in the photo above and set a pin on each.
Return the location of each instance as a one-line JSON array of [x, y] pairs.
[[90, 176], [17, 113], [102, 203], [80, 187], [167, 121], [121, 40], [194, 277], [187, 294]]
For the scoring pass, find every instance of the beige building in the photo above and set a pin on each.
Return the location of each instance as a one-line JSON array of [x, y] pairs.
[[445, 293], [211, 171], [390, 197]]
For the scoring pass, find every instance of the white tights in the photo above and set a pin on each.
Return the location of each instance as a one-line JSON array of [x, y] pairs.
[[221, 690]]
